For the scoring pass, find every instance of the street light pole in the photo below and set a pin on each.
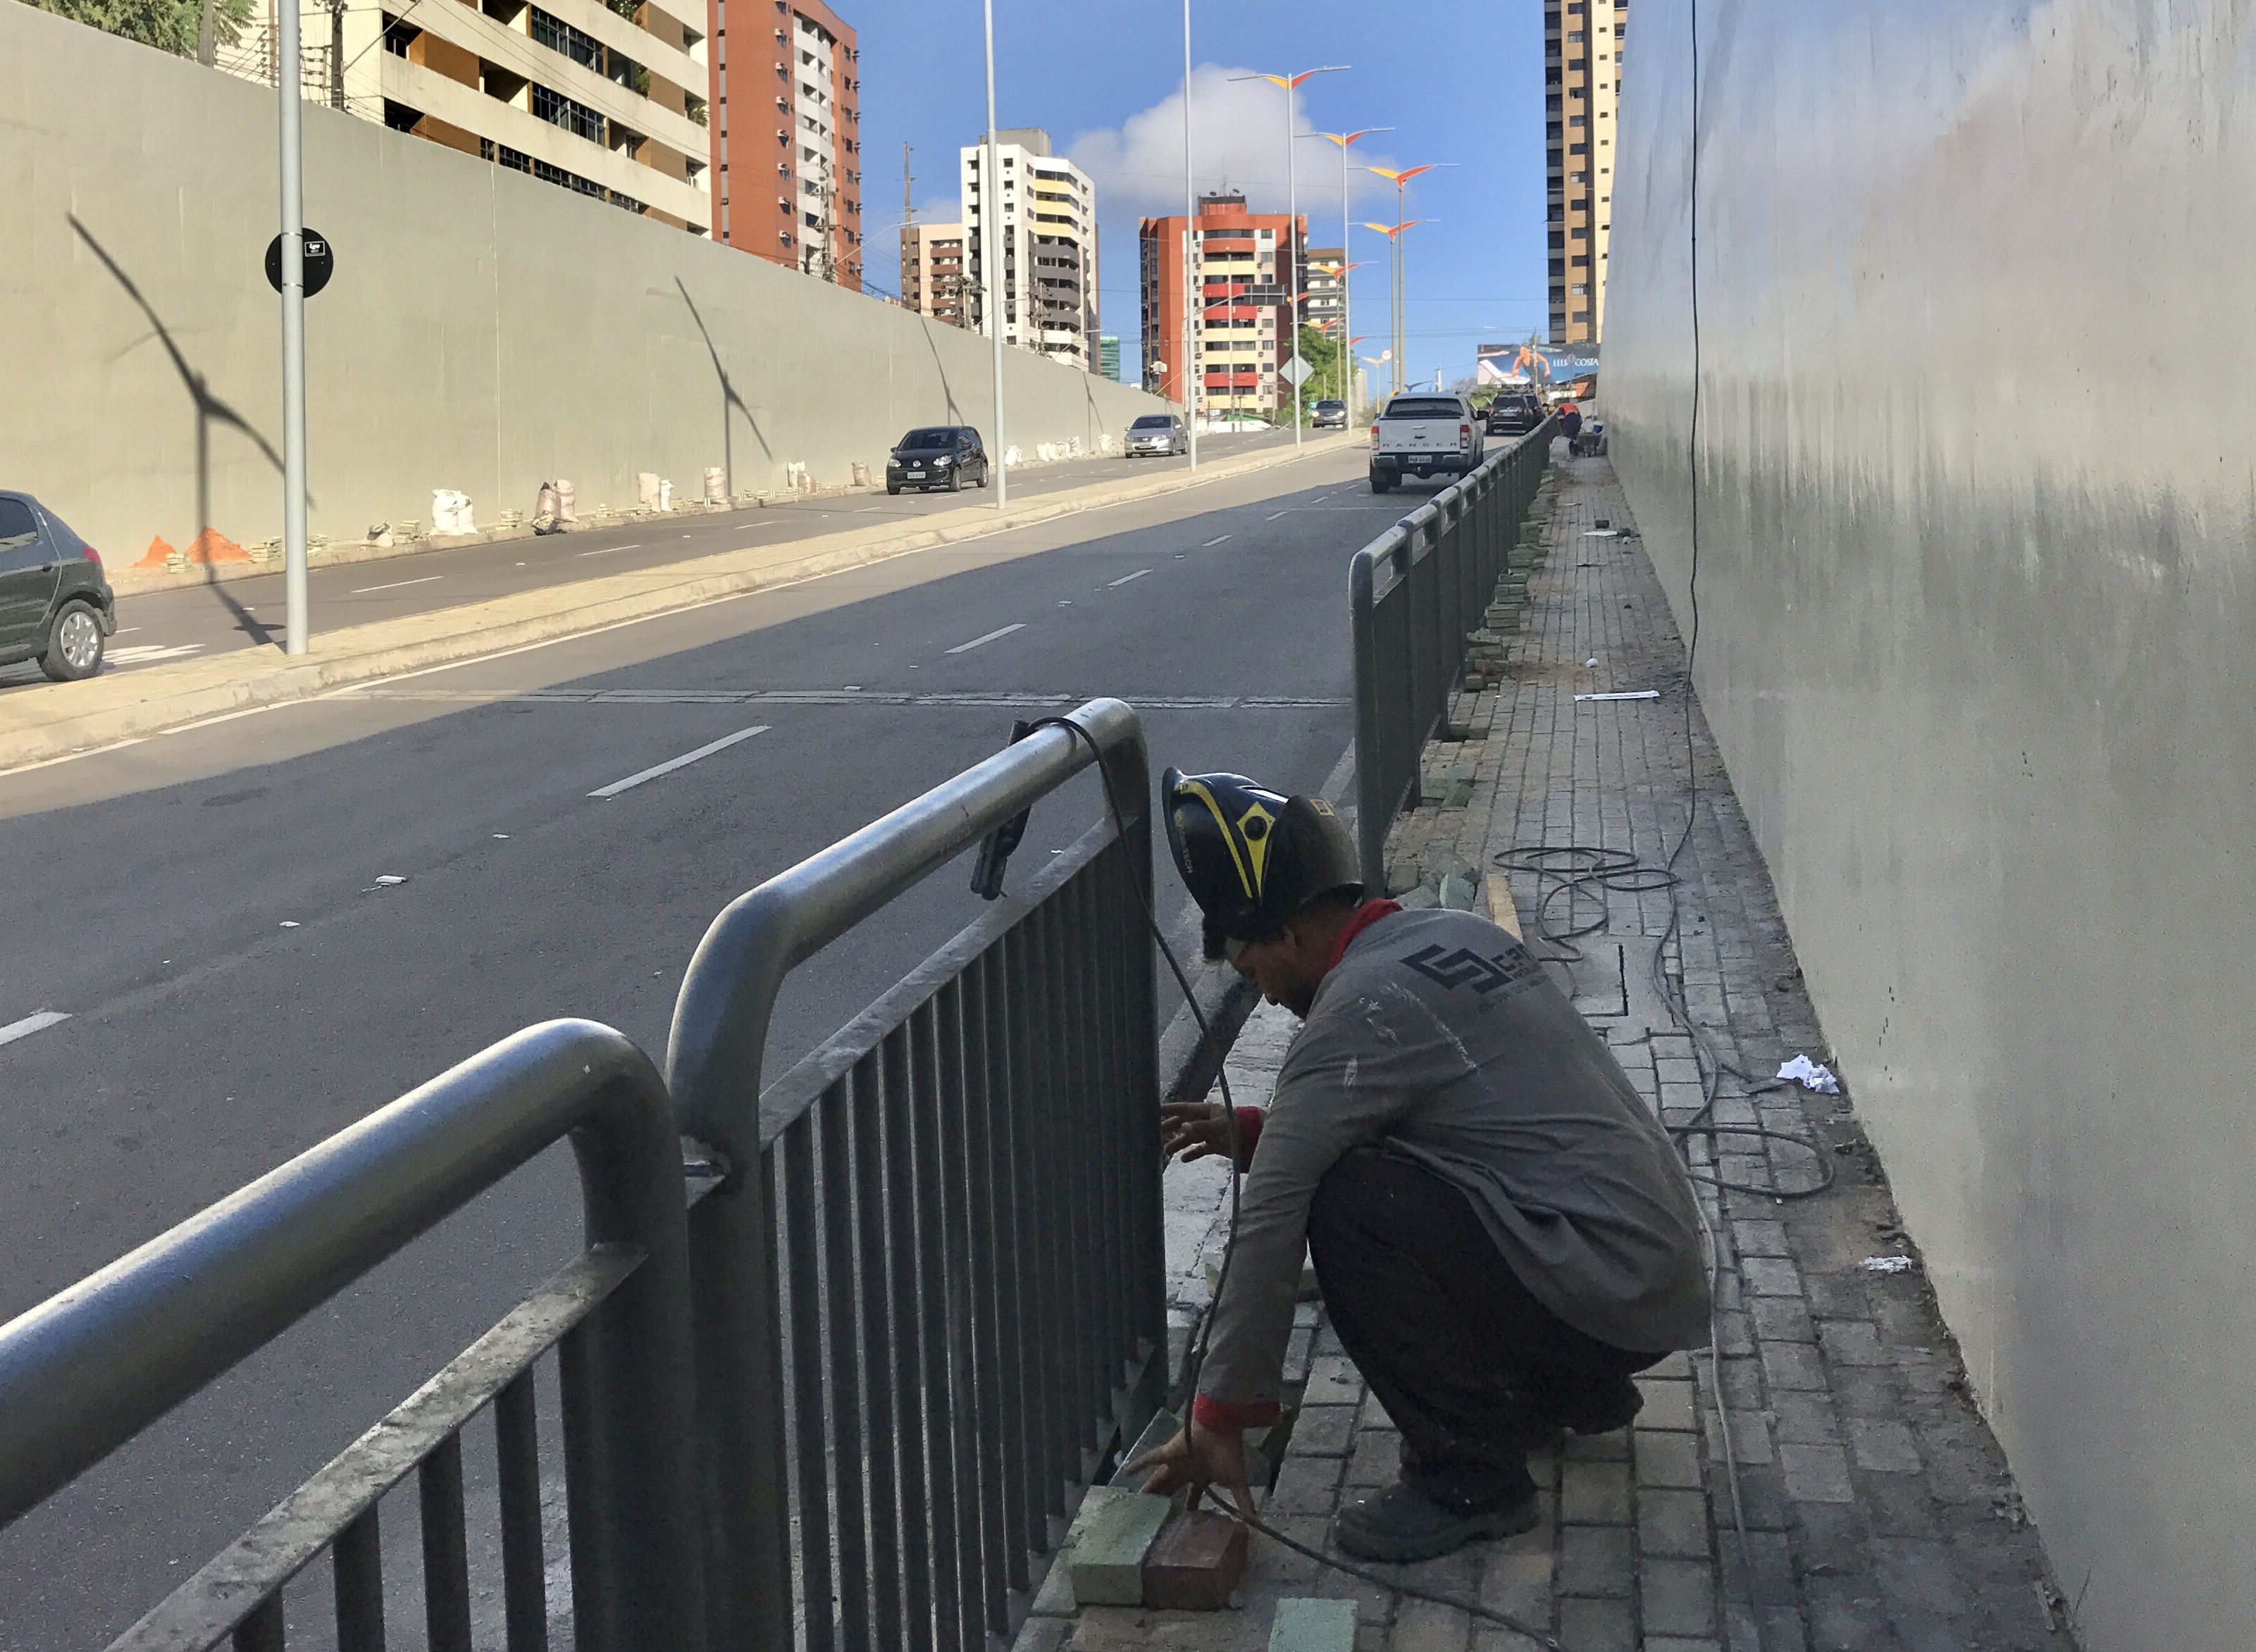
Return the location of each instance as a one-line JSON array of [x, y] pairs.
[[289, 69], [1398, 178], [1291, 83], [990, 214], [1193, 367], [1347, 307]]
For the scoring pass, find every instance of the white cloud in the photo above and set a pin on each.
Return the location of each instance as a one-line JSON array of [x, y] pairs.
[[1237, 142]]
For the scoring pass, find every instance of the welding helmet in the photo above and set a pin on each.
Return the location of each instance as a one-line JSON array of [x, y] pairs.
[[1252, 857]]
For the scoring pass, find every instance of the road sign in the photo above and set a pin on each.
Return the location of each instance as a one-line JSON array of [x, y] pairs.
[[1295, 372], [320, 262]]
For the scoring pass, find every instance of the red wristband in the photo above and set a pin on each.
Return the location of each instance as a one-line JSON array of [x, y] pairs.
[[1249, 1131], [1229, 1416]]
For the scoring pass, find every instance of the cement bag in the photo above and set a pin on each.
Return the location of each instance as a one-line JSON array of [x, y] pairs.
[[450, 511], [567, 498], [665, 495], [646, 488], [716, 485]]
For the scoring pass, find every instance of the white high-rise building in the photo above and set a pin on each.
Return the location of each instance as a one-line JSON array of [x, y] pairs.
[[1046, 234]]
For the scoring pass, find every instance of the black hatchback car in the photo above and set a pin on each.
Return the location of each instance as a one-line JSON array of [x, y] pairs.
[[949, 456], [55, 604]]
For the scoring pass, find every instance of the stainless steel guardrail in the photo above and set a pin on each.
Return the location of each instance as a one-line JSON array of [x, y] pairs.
[[930, 1289], [1413, 594], [88, 1369]]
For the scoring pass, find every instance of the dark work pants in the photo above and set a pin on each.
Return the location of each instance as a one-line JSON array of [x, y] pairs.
[[1469, 1365]]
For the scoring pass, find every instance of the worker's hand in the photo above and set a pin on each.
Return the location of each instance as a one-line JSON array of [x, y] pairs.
[[1199, 1457], [1194, 1130]]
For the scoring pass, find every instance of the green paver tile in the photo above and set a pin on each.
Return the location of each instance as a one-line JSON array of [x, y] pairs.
[[1106, 1547], [1313, 1626]]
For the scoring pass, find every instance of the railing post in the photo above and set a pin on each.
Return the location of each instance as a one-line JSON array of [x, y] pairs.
[[1372, 808]]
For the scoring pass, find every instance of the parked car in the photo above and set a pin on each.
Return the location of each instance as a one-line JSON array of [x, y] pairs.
[[1328, 415], [1423, 434], [949, 456], [56, 606], [1157, 433], [1514, 415]]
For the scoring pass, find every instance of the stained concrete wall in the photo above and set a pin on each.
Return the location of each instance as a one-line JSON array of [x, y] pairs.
[[484, 331], [1977, 591]]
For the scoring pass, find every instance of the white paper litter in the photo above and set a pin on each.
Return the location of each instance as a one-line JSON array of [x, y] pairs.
[[1593, 660], [388, 880], [289, 923], [1810, 1076], [1634, 693], [1886, 1264], [1602, 533]]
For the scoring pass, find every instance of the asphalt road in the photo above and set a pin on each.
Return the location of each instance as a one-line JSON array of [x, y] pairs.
[[195, 621], [204, 908]]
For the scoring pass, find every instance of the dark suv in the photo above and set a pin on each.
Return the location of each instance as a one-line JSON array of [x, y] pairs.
[[55, 605], [1514, 415], [937, 456]]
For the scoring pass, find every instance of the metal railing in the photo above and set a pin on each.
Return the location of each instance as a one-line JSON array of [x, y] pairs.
[[1413, 594], [89, 1368], [930, 1291], [832, 1393]]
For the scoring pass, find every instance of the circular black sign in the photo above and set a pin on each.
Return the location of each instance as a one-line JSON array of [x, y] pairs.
[[320, 262]]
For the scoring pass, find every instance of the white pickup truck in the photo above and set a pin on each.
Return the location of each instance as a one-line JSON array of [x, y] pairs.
[[1424, 433]]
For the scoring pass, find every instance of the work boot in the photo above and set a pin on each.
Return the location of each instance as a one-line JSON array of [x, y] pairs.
[[1402, 1523]]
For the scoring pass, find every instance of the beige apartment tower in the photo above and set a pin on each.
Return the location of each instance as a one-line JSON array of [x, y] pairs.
[[1045, 234], [1582, 45], [932, 266]]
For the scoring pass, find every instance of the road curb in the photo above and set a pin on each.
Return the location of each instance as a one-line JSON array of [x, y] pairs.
[[170, 697]]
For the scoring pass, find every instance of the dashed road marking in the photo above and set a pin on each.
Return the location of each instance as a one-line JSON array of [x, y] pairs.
[[608, 549], [1139, 574], [1210, 544], [682, 762], [981, 641], [398, 585], [149, 653], [31, 1024]]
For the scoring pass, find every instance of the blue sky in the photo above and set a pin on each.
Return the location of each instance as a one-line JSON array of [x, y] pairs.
[[1459, 83]]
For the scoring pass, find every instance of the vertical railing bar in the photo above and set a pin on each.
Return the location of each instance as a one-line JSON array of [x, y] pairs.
[[446, 1548], [1062, 1344], [902, 1241], [590, 1494], [1070, 1100], [1045, 1495], [356, 1566], [810, 1436], [951, 1177], [262, 1630], [933, 1095], [840, 1187], [874, 1271], [977, 1208], [1147, 1245], [1025, 1532], [1112, 1089], [517, 1462], [1094, 1081]]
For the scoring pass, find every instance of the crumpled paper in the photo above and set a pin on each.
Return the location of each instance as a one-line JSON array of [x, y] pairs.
[[1809, 1075], [1886, 1264]]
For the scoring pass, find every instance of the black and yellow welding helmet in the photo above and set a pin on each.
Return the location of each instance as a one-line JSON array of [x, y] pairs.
[[1252, 857]]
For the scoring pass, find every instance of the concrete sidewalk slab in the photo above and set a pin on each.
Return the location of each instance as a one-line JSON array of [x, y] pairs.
[[47, 721]]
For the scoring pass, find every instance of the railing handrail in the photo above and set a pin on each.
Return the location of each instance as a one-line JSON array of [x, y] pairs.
[[720, 1015], [88, 1369]]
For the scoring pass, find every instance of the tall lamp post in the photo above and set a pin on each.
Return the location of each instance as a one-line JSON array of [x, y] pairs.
[[289, 72], [1290, 84], [1193, 365], [990, 215], [1347, 315], [1399, 179]]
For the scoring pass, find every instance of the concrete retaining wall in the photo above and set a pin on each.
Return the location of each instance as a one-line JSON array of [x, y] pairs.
[[1977, 591], [485, 331]]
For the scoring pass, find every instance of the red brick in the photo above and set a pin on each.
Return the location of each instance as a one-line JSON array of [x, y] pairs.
[[1195, 1562]]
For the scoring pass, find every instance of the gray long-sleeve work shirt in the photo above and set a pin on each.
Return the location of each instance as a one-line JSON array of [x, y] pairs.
[[1438, 1036]]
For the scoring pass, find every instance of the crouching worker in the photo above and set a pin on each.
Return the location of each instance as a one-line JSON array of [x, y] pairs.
[[1502, 1231]]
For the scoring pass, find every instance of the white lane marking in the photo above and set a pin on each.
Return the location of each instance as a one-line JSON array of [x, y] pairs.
[[980, 642], [127, 630], [1139, 574], [398, 585], [608, 549], [1274, 516], [1210, 544], [31, 1024], [683, 761], [148, 653]]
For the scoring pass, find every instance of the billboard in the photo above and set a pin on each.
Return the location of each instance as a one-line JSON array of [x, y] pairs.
[[1532, 363]]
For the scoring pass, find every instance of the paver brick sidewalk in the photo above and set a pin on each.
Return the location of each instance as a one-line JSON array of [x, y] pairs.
[[1877, 1509]]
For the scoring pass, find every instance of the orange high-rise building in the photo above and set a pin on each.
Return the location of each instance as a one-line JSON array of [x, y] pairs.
[[1240, 347], [786, 132]]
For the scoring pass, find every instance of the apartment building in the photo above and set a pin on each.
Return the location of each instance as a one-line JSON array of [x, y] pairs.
[[1240, 346], [610, 105], [787, 144], [1045, 231], [1108, 357], [932, 265], [1326, 285], [1583, 41]]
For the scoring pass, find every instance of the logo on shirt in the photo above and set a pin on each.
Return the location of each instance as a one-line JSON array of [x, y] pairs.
[[1464, 968]]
